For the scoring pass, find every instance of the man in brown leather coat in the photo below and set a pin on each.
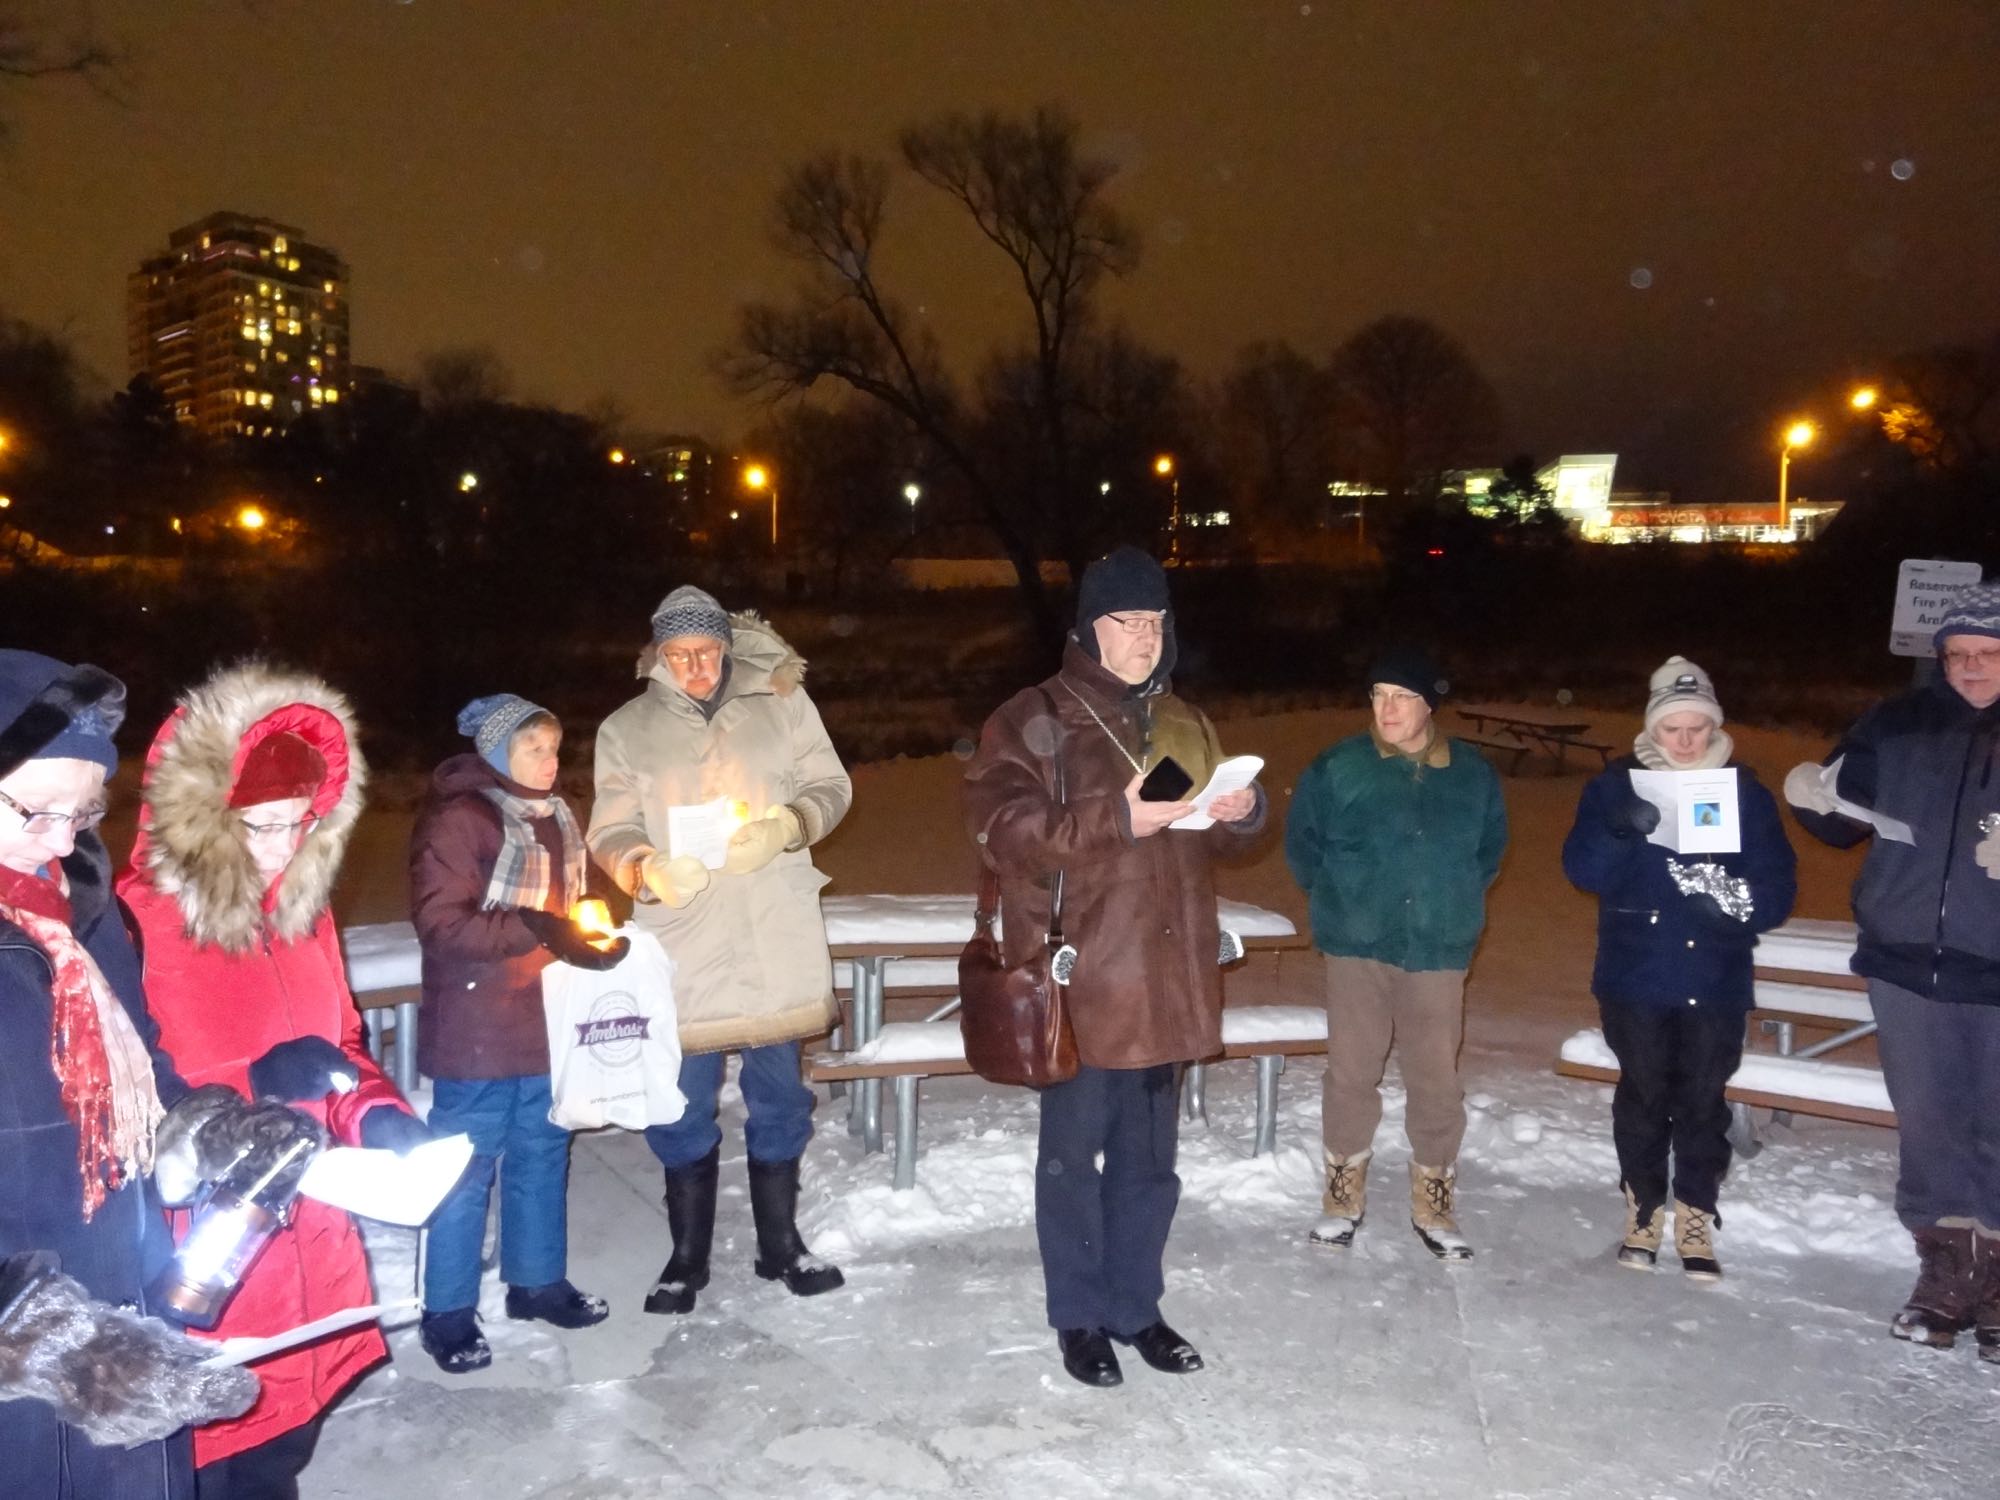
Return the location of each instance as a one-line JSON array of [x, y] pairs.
[[1139, 907]]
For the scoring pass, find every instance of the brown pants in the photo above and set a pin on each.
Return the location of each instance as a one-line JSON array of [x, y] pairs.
[[1371, 1006]]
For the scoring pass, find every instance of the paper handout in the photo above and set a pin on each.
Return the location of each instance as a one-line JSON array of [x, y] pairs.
[[382, 1185], [703, 829], [1890, 828], [246, 1350], [1231, 776], [1698, 810]]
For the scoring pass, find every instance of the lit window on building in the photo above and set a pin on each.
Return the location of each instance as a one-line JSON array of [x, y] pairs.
[[249, 398], [280, 245], [332, 396], [264, 399]]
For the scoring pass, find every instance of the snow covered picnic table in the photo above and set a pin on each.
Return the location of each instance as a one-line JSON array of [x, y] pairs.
[[1802, 977]]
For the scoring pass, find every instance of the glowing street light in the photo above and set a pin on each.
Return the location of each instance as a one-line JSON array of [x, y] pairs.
[[757, 477], [1798, 435], [616, 455], [1863, 398], [468, 482], [252, 518], [1164, 467]]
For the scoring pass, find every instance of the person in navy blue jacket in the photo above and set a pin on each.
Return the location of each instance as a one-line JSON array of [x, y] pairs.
[[1673, 971]]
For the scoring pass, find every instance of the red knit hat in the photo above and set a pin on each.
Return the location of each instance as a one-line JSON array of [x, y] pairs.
[[281, 765]]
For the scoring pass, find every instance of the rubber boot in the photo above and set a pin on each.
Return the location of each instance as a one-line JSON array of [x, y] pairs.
[[781, 1254], [691, 1217]]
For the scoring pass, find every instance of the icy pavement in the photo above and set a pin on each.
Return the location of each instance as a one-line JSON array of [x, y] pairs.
[[1538, 1369]]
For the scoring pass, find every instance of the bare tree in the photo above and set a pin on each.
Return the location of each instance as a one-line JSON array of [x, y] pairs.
[[1276, 413], [31, 47], [1943, 406], [1032, 194], [1411, 404]]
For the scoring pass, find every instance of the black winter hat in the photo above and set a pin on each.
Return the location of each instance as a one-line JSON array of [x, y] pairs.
[[1408, 667], [1123, 579]]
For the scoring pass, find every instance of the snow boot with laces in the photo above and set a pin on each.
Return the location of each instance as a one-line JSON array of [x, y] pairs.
[[1432, 1190], [1641, 1247], [1345, 1201], [1694, 1239], [1948, 1293], [781, 1254], [691, 1217]]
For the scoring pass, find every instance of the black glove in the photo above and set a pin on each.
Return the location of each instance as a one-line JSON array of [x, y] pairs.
[[386, 1128], [566, 941], [118, 1378], [1632, 816], [302, 1070]]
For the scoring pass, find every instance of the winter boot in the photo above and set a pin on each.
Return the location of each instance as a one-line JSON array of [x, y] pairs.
[[558, 1303], [1345, 1201], [453, 1339], [781, 1254], [1987, 1247], [1642, 1235], [691, 1217], [1432, 1190], [1694, 1239], [1948, 1291]]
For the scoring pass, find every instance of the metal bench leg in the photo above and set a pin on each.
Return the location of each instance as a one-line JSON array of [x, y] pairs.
[[1787, 1038], [1269, 1067], [906, 1133], [1743, 1131], [865, 1002], [1194, 1092], [406, 1046], [871, 1088], [371, 1026]]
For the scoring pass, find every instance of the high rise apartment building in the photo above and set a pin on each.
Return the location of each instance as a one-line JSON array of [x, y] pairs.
[[242, 323]]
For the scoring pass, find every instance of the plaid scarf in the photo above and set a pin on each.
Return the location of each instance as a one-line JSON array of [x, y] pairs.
[[521, 873], [100, 1061]]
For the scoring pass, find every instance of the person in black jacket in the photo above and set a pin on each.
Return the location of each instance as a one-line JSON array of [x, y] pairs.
[[1928, 906], [1673, 972], [79, 1228]]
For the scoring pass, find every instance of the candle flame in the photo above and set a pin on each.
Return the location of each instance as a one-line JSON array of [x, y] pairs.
[[592, 917]]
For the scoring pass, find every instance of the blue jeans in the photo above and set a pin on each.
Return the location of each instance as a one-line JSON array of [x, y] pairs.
[[508, 1120], [779, 1104]]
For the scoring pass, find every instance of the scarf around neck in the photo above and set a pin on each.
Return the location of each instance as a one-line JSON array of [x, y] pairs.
[[101, 1064], [522, 874]]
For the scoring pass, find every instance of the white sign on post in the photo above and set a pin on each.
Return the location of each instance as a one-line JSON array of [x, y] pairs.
[[1924, 587]]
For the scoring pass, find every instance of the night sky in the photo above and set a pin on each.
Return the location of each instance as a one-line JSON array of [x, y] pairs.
[[1660, 227]]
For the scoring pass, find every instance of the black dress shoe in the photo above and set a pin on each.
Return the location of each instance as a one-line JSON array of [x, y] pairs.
[[1165, 1350], [1087, 1356]]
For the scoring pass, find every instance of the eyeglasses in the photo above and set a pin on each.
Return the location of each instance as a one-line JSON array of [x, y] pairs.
[[81, 821], [705, 656], [1140, 624], [303, 827], [1393, 695], [1956, 661]]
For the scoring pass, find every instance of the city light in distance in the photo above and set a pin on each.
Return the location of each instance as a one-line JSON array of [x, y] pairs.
[[1164, 465], [1863, 398], [756, 476], [250, 518], [468, 482], [616, 455]]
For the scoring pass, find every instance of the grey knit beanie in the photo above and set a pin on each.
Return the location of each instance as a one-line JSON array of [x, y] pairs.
[[690, 611], [1679, 686]]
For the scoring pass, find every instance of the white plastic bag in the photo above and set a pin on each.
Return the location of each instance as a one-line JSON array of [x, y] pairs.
[[614, 1052]]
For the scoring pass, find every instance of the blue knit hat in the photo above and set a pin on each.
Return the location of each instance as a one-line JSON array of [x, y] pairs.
[[490, 722], [52, 711], [691, 611], [1974, 610]]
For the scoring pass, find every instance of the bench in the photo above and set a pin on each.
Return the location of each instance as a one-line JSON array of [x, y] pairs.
[[1515, 753], [1834, 1091], [907, 1052]]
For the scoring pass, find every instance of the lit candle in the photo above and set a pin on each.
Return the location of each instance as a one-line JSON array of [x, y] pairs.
[[593, 918]]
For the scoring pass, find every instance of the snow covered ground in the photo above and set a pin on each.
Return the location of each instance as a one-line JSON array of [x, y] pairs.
[[1538, 1369]]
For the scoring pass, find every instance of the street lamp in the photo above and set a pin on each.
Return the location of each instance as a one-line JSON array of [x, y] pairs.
[[757, 477], [1798, 435], [1164, 467], [251, 518], [616, 455], [468, 482], [1863, 398]]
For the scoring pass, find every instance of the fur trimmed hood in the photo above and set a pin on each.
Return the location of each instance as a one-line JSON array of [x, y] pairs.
[[189, 845], [760, 660]]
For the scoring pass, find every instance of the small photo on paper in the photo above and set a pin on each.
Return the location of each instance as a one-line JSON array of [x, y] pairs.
[[1708, 815]]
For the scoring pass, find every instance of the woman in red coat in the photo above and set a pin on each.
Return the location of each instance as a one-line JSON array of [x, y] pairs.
[[252, 788]]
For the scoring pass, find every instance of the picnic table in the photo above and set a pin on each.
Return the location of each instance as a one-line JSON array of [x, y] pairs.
[[1516, 736]]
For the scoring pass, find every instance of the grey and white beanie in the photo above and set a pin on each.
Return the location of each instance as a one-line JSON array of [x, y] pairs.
[[490, 723], [690, 611], [1679, 685], [1974, 610]]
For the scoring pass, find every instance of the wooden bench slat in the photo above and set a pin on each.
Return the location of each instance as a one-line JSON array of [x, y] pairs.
[[1759, 1098]]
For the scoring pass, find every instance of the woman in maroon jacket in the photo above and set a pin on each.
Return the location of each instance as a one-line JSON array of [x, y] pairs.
[[496, 860]]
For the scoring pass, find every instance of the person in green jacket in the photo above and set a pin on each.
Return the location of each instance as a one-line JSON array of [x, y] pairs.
[[1394, 836]]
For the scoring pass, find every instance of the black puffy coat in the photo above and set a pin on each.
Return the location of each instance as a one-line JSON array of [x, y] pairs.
[[1655, 946], [123, 1246]]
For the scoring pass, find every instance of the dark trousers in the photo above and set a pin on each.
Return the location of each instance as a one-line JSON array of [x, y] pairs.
[[1673, 1063], [1103, 1234], [269, 1471], [1941, 1062]]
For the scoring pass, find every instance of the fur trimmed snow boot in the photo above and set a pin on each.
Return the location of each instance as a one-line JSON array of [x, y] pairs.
[[1344, 1203], [1433, 1191], [1950, 1282]]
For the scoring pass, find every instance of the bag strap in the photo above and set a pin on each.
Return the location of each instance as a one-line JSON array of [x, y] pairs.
[[989, 879]]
